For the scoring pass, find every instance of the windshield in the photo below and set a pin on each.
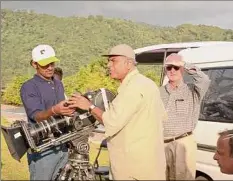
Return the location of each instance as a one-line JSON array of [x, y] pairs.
[[217, 104]]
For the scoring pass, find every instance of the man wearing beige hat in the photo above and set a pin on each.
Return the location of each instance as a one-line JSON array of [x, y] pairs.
[[43, 97], [133, 122], [182, 102]]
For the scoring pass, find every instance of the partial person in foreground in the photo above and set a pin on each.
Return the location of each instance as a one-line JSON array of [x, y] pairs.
[[133, 122], [224, 152], [43, 97], [182, 102]]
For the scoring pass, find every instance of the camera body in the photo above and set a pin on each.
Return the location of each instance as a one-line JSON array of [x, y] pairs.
[[22, 137]]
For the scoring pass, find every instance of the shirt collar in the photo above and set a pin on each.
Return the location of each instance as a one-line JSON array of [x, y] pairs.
[[127, 79], [178, 87], [39, 78]]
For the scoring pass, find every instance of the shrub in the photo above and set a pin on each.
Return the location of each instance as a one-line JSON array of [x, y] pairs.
[[12, 91], [90, 77], [153, 76]]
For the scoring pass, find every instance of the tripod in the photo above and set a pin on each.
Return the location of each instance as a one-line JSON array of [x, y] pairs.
[[78, 166]]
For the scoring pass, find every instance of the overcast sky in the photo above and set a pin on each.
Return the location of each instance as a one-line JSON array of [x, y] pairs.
[[165, 13]]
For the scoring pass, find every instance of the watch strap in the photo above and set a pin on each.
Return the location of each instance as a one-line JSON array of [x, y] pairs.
[[91, 107]]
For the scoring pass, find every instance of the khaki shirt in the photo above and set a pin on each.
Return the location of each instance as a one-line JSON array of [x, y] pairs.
[[133, 125]]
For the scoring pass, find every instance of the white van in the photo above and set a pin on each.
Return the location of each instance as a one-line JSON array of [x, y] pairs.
[[216, 114]]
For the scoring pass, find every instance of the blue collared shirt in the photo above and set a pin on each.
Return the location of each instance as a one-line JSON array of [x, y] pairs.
[[38, 94]]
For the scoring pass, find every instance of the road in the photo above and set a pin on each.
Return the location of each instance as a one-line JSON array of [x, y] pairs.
[[12, 113]]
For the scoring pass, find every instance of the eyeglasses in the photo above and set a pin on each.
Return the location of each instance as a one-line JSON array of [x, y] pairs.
[[168, 68]]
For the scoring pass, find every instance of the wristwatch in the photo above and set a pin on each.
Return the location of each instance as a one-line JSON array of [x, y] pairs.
[[91, 108]]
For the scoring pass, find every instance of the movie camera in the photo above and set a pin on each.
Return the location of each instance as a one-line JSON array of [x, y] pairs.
[[22, 137]]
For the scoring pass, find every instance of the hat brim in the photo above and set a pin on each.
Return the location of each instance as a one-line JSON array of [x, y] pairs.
[[172, 63], [47, 61], [111, 55]]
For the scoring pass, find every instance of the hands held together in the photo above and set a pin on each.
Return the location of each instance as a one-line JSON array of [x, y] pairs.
[[67, 107], [78, 101]]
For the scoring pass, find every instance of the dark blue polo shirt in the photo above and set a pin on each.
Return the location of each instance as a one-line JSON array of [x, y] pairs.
[[38, 94]]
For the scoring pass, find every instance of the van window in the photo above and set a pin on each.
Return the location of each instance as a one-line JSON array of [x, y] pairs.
[[217, 104]]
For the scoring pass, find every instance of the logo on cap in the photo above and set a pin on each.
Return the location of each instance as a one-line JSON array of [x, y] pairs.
[[44, 55], [42, 52]]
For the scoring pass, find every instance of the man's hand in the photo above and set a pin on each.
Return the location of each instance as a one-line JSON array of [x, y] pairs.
[[62, 109], [78, 101], [58, 109]]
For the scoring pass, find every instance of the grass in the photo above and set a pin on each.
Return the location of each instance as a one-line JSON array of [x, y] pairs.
[[14, 170]]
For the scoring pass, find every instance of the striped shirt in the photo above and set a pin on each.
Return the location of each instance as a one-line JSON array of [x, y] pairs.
[[183, 103]]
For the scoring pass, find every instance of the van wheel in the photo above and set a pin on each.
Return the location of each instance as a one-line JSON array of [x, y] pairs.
[[201, 177]]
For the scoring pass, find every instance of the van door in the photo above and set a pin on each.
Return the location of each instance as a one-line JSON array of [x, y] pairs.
[[216, 115], [217, 106]]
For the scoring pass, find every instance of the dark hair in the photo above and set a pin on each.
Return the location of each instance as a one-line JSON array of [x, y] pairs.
[[31, 62], [58, 71], [228, 134]]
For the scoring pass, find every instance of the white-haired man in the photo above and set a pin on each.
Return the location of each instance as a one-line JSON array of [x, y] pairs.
[[182, 102]]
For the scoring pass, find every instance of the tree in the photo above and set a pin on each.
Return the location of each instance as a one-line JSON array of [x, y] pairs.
[[90, 77]]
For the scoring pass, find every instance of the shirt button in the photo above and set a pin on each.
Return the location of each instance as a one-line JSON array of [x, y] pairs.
[[52, 87], [48, 82]]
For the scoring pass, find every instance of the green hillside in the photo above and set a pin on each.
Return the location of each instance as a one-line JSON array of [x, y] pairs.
[[79, 40]]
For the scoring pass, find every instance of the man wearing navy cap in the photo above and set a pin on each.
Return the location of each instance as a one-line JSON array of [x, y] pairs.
[[43, 97]]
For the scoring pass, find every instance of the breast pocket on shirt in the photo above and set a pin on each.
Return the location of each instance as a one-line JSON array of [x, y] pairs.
[[181, 107]]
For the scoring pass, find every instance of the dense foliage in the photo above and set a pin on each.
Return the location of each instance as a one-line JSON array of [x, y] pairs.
[[79, 42], [12, 92], [90, 77]]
